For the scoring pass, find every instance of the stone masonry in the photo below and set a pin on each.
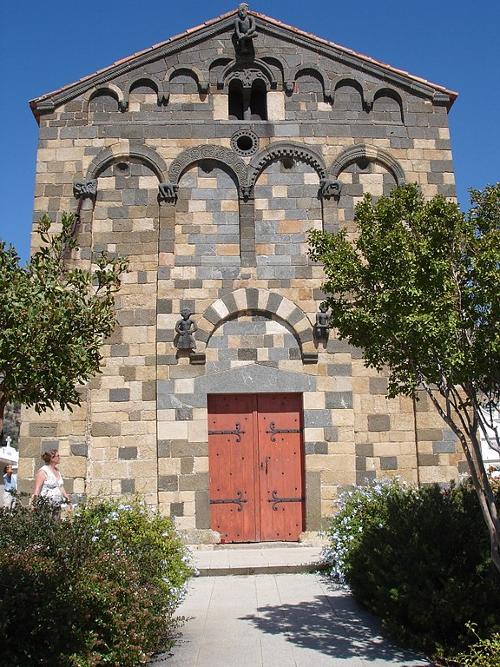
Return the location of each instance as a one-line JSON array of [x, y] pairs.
[[225, 235]]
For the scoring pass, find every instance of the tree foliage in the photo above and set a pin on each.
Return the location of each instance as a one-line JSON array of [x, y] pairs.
[[53, 319], [418, 291]]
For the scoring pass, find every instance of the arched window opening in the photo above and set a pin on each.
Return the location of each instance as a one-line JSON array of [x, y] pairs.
[[258, 102], [236, 106]]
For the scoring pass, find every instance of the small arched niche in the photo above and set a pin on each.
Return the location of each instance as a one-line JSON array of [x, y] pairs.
[[143, 96], [387, 107], [348, 101], [103, 101]]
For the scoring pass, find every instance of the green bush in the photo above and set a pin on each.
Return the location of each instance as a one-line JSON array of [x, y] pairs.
[[98, 588], [419, 559], [483, 653]]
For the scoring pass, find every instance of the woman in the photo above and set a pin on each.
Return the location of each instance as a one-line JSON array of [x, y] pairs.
[[49, 482], [9, 486]]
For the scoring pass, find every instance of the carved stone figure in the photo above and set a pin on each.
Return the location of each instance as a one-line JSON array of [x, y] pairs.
[[186, 328], [329, 188], [85, 188], [244, 29], [168, 190], [322, 325]]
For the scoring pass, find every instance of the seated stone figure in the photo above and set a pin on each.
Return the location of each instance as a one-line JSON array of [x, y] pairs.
[[245, 29]]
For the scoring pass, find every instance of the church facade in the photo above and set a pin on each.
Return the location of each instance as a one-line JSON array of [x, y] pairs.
[[205, 160]]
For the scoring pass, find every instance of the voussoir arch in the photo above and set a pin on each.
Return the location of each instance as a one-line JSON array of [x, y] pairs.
[[371, 153], [224, 156], [281, 150], [246, 300], [123, 151]]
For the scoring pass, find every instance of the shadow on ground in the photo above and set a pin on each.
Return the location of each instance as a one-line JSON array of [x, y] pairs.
[[332, 624]]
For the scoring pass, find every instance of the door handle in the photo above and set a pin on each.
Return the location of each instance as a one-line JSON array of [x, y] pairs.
[[264, 464]]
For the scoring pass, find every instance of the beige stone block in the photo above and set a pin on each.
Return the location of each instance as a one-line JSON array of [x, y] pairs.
[[79, 485], [229, 205], [346, 448], [145, 469], [200, 464], [184, 386], [173, 430], [220, 106], [169, 466], [276, 105], [26, 468], [313, 400], [313, 434], [197, 431], [343, 417], [230, 249], [339, 477], [76, 466], [185, 522], [99, 487], [108, 469], [116, 486]]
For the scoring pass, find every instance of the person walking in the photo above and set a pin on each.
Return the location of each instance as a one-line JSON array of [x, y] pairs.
[[9, 486], [49, 483]]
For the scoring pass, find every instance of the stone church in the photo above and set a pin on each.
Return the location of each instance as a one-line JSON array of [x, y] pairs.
[[205, 160]]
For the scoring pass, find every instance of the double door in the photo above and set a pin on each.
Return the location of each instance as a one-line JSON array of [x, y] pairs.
[[256, 486]]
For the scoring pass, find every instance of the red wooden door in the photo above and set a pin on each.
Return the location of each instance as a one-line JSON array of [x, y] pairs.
[[255, 466], [280, 454], [231, 455]]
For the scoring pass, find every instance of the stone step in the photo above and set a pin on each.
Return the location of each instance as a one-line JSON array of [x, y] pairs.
[[277, 559]]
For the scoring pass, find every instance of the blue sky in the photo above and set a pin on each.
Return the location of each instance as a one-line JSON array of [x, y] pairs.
[[46, 45]]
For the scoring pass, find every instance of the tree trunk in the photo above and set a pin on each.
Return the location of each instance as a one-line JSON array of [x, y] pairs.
[[469, 440], [3, 403]]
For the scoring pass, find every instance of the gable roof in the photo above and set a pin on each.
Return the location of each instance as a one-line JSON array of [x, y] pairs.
[[49, 101]]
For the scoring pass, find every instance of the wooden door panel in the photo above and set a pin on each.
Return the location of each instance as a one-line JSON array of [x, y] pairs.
[[231, 451], [280, 466]]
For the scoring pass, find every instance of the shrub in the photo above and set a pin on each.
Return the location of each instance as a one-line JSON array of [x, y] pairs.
[[419, 559], [483, 653], [98, 588]]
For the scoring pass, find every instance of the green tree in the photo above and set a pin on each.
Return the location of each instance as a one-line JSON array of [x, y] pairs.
[[418, 291], [53, 320]]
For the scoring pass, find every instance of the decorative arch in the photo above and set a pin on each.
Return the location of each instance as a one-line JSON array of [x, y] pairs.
[[280, 150], [246, 300], [197, 74], [149, 79], [246, 74], [215, 68], [273, 61], [352, 83], [321, 73], [371, 153], [112, 90], [225, 156], [392, 94], [124, 150]]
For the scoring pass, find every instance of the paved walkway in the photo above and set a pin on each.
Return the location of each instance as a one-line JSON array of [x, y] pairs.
[[278, 620]]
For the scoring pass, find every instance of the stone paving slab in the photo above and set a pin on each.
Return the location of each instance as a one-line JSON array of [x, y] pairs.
[[279, 560], [283, 620]]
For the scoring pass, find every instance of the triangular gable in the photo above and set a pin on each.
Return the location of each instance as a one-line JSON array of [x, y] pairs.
[[192, 36]]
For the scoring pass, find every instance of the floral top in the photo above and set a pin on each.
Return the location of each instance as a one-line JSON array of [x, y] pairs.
[[51, 487]]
